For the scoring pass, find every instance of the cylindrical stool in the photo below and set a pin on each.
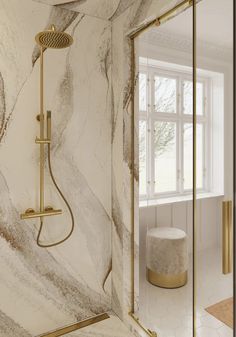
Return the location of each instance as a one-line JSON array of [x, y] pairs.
[[167, 257]]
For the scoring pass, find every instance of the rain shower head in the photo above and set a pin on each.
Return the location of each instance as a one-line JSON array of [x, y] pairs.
[[53, 39]]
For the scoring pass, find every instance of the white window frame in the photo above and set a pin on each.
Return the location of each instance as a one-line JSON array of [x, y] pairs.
[[179, 118]]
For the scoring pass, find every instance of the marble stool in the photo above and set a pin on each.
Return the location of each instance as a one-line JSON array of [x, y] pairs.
[[167, 257]]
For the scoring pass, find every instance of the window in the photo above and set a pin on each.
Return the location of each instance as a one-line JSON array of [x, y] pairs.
[[166, 133]]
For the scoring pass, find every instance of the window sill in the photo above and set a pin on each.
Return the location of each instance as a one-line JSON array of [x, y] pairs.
[[175, 199]]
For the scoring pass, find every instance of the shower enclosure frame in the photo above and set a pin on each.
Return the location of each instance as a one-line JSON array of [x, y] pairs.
[[133, 75]]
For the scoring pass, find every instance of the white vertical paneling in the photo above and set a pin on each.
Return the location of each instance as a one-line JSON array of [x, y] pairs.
[[179, 211], [210, 222], [147, 216], [189, 224], [200, 237], [147, 220], [164, 215], [179, 215], [199, 223], [219, 221]]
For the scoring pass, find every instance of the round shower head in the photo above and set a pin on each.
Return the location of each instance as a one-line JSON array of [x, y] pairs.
[[53, 39]]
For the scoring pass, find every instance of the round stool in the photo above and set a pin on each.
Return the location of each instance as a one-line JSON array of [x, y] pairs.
[[167, 257]]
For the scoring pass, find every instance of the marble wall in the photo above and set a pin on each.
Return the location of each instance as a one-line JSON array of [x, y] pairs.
[[43, 289]]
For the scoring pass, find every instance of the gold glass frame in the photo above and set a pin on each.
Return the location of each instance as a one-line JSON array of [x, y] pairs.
[[158, 21]]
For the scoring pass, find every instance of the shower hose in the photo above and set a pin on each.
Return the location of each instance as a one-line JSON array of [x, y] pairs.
[[65, 201]]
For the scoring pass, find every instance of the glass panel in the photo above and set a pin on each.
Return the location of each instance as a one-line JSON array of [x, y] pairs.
[[214, 44], [188, 97], [165, 156], [200, 98], [165, 94], [200, 156], [142, 92], [168, 312], [188, 156], [142, 157]]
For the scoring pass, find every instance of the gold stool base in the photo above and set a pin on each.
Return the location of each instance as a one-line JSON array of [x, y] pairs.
[[169, 281]]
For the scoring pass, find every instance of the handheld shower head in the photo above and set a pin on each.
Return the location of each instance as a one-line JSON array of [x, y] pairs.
[[53, 39]]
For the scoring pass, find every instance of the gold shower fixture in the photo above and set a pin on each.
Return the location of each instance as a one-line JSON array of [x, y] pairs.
[[53, 39], [48, 39]]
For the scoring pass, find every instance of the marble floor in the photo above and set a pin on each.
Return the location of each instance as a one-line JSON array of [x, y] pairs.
[[168, 312], [111, 327]]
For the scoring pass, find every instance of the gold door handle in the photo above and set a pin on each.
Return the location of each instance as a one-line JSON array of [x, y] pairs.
[[227, 237]]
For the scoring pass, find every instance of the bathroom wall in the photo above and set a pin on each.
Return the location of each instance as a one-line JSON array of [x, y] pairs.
[[44, 289]]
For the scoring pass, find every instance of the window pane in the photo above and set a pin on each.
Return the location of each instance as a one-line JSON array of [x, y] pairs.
[[142, 92], [188, 156], [165, 94], [165, 156], [188, 98], [142, 157]]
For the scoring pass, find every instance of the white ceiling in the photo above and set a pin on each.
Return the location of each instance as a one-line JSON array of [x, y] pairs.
[[214, 23]]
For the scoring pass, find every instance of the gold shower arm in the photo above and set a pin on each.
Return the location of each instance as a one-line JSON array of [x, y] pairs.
[[227, 237]]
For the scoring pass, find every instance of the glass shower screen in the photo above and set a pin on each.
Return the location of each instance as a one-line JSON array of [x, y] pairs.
[[163, 117], [183, 111], [214, 167]]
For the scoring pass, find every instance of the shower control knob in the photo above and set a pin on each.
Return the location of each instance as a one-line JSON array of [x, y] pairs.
[[48, 208], [29, 210], [38, 117], [152, 333]]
